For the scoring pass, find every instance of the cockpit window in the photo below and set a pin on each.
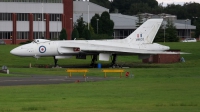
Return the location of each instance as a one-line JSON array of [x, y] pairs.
[[34, 41]]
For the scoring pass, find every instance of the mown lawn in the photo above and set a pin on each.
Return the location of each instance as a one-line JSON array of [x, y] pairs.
[[161, 94], [154, 87]]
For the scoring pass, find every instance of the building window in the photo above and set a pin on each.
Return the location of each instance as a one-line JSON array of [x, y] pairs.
[[39, 35], [5, 35], [38, 17], [22, 35], [6, 16], [22, 17], [54, 35], [55, 17]]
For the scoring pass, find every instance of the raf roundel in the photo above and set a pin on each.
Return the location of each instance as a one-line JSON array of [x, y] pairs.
[[42, 49]]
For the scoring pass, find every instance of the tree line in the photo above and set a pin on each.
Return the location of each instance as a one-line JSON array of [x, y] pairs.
[[131, 7], [189, 10]]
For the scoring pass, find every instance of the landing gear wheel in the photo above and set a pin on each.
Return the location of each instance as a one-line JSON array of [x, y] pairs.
[[55, 61], [113, 63], [93, 62]]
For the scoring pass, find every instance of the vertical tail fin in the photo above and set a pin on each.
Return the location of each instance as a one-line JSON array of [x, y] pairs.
[[146, 32]]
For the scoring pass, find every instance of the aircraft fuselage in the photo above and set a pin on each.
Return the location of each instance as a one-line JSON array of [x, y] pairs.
[[58, 48]]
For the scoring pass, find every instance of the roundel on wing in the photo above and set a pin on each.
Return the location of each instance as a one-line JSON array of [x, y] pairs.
[[42, 49]]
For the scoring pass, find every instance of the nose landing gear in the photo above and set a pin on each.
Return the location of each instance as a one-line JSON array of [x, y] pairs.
[[55, 61]]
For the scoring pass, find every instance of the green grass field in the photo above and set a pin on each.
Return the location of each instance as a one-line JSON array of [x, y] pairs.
[[154, 88]]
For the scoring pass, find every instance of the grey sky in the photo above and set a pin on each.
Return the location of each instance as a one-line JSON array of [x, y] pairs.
[[181, 2]]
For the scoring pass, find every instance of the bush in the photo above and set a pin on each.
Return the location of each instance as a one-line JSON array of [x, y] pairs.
[[28, 41], [100, 36]]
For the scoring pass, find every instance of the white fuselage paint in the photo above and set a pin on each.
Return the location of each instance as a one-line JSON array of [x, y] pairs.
[[56, 48]]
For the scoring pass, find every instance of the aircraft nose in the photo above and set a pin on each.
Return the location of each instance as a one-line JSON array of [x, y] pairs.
[[12, 52], [24, 50], [16, 51], [19, 51]]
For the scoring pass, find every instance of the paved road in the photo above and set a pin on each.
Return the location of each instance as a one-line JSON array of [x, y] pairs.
[[36, 80]]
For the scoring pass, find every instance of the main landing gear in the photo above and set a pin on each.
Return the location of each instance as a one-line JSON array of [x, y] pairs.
[[55, 61], [114, 59], [93, 62], [113, 63]]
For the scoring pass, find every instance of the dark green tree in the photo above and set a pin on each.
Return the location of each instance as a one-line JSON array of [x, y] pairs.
[[151, 3], [171, 33], [63, 34], [80, 26], [139, 20], [106, 25], [103, 3], [91, 29], [197, 31], [139, 7], [187, 11], [100, 36], [177, 10], [160, 35], [124, 6], [132, 7], [167, 33], [157, 10], [75, 34], [94, 21], [86, 34]]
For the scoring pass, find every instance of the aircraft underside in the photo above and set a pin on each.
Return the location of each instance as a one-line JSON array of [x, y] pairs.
[[93, 59]]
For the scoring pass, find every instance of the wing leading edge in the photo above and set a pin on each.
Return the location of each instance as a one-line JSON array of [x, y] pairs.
[[119, 50]]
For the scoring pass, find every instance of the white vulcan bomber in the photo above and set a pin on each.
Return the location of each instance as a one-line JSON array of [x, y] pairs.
[[138, 43]]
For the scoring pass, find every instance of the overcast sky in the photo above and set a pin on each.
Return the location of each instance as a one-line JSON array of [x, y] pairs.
[[181, 2]]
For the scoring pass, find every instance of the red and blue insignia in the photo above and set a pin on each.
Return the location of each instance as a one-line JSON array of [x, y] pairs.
[[42, 49]]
